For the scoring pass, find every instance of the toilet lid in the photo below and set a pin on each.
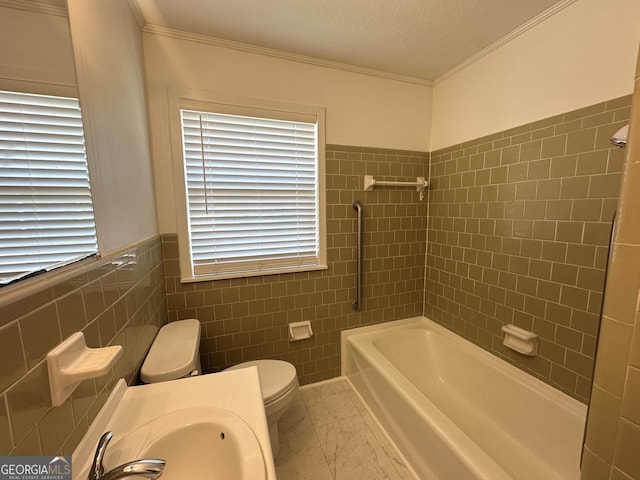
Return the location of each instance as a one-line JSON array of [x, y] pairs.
[[276, 377], [174, 352]]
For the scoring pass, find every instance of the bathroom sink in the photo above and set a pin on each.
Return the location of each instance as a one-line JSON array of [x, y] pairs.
[[196, 442]]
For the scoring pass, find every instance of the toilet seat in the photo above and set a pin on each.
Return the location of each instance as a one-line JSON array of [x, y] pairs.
[[276, 377]]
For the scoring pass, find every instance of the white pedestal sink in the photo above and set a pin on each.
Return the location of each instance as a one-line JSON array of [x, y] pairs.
[[209, 426], [196, 442]]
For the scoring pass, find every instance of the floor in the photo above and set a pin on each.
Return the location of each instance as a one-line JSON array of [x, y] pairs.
[[329, 435]]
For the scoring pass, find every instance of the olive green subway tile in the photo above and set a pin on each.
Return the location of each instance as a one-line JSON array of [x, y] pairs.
[[566, 207], [517, 172], [574, 187], [28, 401], [522, 228], [535, 306], [618, 103], [544, 230], [549, 291], [609, 206], [604, 186], [510, 155], [539, 132], [568, 126], [591, 278], [531, 150], [563, 376], [501, 143], [569, 232], [585, 112], [526, 190], [539, 169], [93, 299], [579, 363], [574, 297], [563, 166], [554, 146], [535, 209], [492, 158], [552, 351], [521, 138], [569, 338], [30, 444], [55, 427], [592, 163], [586, 210], [531, 248], [564, 273], [13, 363], [579, 254], [615, 160], [40, 332], [558, 314], [603, 118], [18, 308]]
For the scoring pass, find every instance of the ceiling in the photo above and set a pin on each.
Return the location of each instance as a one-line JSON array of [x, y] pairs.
[[423, 39]]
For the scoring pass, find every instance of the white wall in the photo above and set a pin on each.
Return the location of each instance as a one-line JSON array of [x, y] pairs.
[[583, 55], [107, 43], [361, 110], [35, 53]]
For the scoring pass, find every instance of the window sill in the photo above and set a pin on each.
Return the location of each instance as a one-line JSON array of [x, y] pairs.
[[261, 273]]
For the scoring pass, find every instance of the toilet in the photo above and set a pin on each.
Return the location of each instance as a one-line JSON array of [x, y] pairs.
[[175, 354]]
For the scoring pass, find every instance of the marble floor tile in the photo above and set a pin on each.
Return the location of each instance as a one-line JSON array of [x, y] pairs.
[[353, 452], [329, 434], [300, 457], [329, 403]]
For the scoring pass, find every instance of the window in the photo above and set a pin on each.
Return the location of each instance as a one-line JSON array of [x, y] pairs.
[[46, 213], [252, 185]]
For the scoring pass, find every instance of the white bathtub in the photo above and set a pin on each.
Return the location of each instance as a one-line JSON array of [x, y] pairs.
[[457, 412]]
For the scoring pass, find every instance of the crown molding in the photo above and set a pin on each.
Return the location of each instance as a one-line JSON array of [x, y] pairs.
[[37, 6], [504, 40], [248, 48]]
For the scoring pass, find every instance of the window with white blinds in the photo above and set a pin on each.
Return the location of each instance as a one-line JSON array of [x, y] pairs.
[[252, 193], [46, 213]]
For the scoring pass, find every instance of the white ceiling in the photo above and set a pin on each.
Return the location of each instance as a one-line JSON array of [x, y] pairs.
[[415, 38]]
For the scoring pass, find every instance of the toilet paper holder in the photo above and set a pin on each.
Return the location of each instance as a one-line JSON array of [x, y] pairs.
[[300, 331]]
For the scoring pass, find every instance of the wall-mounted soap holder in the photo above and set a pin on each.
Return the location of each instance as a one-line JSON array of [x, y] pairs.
[[520, 340], [72, 362]]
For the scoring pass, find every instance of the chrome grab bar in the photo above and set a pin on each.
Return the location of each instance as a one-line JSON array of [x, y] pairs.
[[357, 304]]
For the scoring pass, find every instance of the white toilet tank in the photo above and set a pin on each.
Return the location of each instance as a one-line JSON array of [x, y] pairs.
[[175, 353]]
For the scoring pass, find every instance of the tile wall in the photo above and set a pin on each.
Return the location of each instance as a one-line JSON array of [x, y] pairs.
[[519, 225], [117, 301], [246, 318], [613, 425]]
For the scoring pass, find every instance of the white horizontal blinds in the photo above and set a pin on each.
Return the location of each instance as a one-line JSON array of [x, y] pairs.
[[252, 192], [46, 214]]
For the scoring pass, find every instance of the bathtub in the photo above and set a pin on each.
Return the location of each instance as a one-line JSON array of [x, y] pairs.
[[457, 412]]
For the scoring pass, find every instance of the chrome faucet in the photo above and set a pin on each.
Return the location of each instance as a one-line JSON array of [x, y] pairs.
[[148, 467]]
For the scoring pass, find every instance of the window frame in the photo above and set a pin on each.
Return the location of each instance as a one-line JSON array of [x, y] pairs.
[[187, 99], [57, 269]]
